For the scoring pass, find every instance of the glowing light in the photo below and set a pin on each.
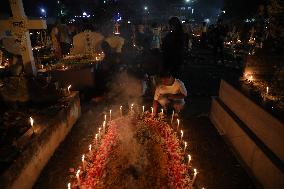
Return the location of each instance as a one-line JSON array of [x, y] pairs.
[[187, 1], [32, 121], [69, 185], [85, 14], [69, 87], [42, 10], [145, 8]]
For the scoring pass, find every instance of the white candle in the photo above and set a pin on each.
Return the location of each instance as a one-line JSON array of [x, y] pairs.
[[267, 90], [83, 162], [162, 111], [185, 145], [110, 115], [181, 135], [96, 138], [172, 117], [105, 117], [90, 148], [194, 177], [132, 107], [120, 111], [104, 126], [69, 185], [189, 159], [178, 123], [68, 88], [78, 176], [32, 124], [99, 133], [152, 109], [143, 109]]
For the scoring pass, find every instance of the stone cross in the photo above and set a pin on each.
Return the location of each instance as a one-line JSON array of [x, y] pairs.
[[19, 25]]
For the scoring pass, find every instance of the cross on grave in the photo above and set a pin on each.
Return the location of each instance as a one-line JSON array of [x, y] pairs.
[[116, 28], [19, 25]]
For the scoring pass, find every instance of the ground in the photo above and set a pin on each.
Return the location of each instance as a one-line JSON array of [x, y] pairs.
[[218, 168]]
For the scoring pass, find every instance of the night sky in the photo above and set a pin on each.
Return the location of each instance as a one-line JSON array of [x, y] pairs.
[[32, 7]]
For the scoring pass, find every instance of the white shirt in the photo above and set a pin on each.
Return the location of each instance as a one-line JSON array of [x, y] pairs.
[[176, 88]]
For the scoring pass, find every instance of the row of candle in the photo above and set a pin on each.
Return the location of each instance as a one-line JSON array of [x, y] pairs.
[[98, 137]]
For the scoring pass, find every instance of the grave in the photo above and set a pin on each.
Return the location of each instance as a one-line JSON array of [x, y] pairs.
[[253, 133]]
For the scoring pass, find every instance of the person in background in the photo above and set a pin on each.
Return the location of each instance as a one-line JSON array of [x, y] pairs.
[[220, 33], [155, 38], [174, 47], [65, 39], [170, 93], [55, 38]]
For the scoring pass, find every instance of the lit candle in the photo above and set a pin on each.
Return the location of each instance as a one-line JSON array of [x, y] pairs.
[[78, 176], [90, 148], [189, 159], [68, 88], [83, 162], [132, 107], [178, 123], [152, 109], [162, 111], [32, 124], [267, 90], [96, 138], [69, 185], [194, 177], [120, 111], [181, 135], [104, 126], [143, 109], [172, 117], [110, 115], [99, 132], [105, 117], [185, 145]]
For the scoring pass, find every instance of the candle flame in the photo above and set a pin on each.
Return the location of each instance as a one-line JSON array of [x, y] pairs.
[[162, 110], [181, 133], [69, 87], [195, 171], [120, 108], [90, 147], [69, 185], [143, 108], [267, 90], [105, 117], [96, 136], [31, 121]]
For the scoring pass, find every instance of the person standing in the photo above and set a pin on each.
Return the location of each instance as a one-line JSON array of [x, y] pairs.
[[174, 47], [56, 41]]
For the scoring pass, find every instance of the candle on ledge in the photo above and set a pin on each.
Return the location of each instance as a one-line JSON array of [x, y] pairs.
[[110, 115], [162, 111], [143, 109], [120, 111], [185, 145], [172, 117], [267, 90], [152, 109], [32, 124], [83, 162], [181, 134], [69, 185], [78, 176], [189, 159], [105, 117], [194, 177], [68, 88]]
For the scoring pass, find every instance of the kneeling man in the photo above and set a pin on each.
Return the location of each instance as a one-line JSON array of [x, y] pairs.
[[170, 93]]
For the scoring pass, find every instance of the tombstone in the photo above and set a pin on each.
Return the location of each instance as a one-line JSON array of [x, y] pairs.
[[87, 42], [19, 25]]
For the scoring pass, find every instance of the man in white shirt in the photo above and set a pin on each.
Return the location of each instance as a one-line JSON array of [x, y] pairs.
[[170, 93]]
